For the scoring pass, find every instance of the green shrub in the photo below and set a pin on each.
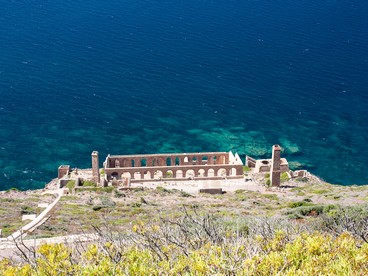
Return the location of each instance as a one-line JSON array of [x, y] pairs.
[[246, 169], [163, 190], [97, 207], [301, 179], [70, 185], [88, 183], [168, 175], [271, 196], [27, 210], [143, 201], [98, 190], [268, 182], [319, 191], [284, 177], [314, 210], [185, 194], [119, 194], [12, 190], [298, 204], [104, 202]]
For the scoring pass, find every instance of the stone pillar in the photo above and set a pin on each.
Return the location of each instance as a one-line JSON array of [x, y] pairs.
[[63, 170], [275, 166], [95, 167], [103, 182]]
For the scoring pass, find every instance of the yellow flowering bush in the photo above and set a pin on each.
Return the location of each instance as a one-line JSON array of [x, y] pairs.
[[305, 254]]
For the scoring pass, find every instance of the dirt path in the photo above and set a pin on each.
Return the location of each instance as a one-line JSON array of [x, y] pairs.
[[9, 249], [39, 220]]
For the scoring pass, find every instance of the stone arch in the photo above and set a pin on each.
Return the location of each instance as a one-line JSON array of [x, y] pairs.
[[201, 173], [147, 175], [158, 174], [232, 172], [133, 163], [168, 161], [186, 159], [190, 173], [221, 172], [117, 163], [137, 175], [126, 175], [211, 173], [169, 174], [194, 161], [115, 175], [179, 174]]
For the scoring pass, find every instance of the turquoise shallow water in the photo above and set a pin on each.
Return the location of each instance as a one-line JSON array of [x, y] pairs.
[[127, 77]]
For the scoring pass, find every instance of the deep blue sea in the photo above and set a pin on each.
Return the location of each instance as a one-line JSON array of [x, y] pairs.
[[149, 76]]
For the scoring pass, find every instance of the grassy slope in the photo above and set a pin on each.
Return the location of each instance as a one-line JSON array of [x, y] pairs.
[[79, 212]]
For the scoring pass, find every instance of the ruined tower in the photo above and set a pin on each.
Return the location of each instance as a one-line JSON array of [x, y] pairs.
[[95, 167], [275, 166]]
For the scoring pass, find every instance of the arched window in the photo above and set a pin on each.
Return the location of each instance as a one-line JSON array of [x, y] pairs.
[[169, 174], [189, 174], [221, 172], [158, 174], [211, 173], [204, 160], [179, 174], [201, 173], [147, 175], [115, 175]]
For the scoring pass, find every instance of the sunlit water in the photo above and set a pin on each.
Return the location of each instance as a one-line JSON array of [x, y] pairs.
[[126, 77]]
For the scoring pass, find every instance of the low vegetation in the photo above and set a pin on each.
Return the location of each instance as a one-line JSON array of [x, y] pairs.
[[201, 244], [303, 229], [14, 204]]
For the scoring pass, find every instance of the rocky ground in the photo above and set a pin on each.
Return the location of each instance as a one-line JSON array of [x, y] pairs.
[[85, 209]]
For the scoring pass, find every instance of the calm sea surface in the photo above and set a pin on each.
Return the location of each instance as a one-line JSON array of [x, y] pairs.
[[146, 76]]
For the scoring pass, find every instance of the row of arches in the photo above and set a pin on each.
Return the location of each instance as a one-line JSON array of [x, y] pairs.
[[158, 161], [177, 174]]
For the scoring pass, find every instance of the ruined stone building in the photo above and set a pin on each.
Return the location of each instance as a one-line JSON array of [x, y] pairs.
[[178, 166], [124, 169]]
